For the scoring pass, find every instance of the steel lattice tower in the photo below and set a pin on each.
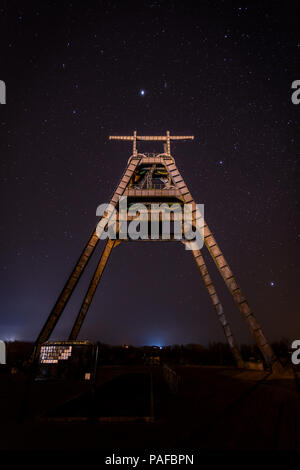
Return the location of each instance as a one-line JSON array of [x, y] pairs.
[[139, 183]]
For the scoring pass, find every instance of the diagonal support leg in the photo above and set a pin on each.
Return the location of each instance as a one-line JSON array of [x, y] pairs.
[[218, 307], [71, 283], [240, 300], [68, 289], [225, 271], [91, 290]]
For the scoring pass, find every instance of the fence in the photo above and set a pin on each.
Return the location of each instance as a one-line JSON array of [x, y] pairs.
[[171, 378]]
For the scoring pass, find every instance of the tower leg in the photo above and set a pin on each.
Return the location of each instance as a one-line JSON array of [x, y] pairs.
[[239, 298], [91, 290], [218, 307], [81, 264], [68, 289], [225, 271]]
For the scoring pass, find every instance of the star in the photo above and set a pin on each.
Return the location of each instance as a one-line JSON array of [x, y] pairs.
[[272, 284], [142, 92]]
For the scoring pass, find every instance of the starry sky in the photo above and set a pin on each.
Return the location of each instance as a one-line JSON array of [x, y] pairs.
[[76, 72]]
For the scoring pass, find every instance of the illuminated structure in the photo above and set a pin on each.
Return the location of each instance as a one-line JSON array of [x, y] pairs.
[[147, 178], [67, 359], [53, 353]]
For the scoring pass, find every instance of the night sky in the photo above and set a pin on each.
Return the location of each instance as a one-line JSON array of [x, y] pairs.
[[76, 72]]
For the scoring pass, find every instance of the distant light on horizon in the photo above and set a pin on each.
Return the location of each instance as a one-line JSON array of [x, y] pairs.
[[11, 335], [157, 344], [9, 338]]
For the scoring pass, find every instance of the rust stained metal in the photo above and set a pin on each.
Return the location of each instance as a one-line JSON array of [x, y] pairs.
[[92, 289]]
